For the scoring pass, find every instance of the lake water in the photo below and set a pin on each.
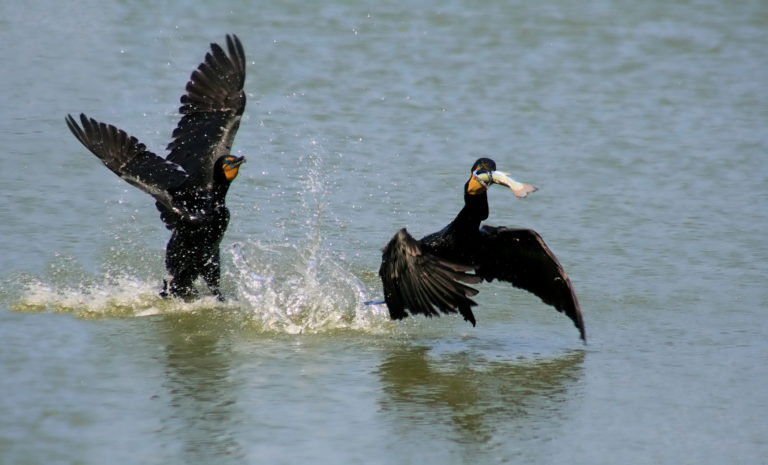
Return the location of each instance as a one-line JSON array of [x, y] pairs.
[[645, 125]]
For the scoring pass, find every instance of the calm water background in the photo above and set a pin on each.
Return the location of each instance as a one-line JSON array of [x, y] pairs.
[[645, 124]]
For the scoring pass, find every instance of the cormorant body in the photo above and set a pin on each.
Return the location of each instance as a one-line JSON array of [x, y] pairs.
[[189, 185], [431, 275]]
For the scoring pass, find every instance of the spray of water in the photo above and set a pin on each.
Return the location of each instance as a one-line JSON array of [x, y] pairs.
[[298, 286], [275, 285], [293, 289]]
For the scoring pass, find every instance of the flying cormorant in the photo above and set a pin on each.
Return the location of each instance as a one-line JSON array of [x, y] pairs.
[[432, 273], [189, 185]]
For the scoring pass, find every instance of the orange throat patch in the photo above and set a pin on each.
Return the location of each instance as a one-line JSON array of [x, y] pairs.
[[475, 187], [231, 173]]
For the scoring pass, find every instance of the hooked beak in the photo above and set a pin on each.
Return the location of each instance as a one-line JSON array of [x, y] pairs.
[[486, 178], [238, 161]]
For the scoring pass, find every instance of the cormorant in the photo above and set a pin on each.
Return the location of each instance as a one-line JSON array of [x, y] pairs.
[[433, 272], [189, 185]]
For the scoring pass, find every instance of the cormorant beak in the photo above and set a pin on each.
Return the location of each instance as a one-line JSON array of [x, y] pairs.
[[479, 182], [483, 178], [231, 168], [486, 178]]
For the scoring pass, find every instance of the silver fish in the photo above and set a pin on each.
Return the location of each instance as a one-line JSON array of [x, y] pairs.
[[499, 177]]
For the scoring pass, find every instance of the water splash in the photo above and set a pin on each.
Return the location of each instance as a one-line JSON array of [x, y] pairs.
[[113, 297], [295, 290], [276, 288], [274, 285], [297, 285]]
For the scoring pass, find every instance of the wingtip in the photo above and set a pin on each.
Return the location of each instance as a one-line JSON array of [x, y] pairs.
[[232, 40], [69, 118]]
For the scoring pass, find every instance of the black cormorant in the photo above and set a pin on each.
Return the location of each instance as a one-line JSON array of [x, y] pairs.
[[189, 185], [433, 272]]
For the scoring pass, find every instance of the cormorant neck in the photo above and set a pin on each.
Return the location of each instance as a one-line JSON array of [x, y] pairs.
[[220, 191], [474, 212]]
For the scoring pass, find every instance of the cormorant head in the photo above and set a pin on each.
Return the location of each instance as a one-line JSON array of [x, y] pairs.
[[478, 183], [228, 167], [484, 174], [485, 164]]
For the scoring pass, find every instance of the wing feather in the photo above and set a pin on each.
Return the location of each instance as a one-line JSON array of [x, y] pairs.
[[211, 111], [128, 158], [521, 257], [420, 282]]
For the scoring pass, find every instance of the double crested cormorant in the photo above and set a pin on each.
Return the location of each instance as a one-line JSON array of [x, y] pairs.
[[189, 185], [432, 272]]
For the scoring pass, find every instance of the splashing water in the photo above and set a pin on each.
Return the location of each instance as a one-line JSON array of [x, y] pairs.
[[274, 286], [300, 287], [298, 290], [279, 288]]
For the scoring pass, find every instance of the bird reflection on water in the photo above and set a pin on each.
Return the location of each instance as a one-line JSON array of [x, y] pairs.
[[201, 391], [470, 396]]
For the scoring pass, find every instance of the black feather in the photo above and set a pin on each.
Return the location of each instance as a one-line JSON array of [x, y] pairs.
[[189, 186], [428, 276]]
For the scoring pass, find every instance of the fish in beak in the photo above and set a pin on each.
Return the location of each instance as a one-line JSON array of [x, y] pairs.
[[487, 178]]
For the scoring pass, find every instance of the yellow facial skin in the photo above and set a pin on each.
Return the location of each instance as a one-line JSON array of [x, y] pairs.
[[475, 187], [231, 167], [231, 172]]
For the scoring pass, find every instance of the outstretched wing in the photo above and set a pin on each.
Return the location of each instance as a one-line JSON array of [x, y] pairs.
[[211, 111], [521, 257], [418, 281], [130, 159]]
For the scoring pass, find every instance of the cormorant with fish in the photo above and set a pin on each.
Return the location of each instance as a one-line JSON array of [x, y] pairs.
[[433, 273], [189, 185]]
